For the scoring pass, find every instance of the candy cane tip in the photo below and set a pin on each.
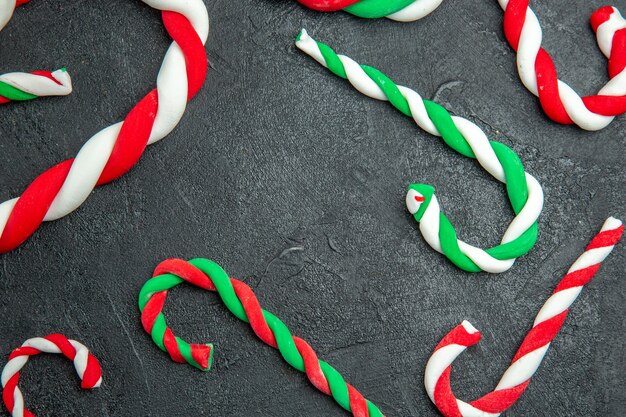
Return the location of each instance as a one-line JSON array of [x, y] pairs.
[[302, 35], [63, 77], [469, 328], [418, 196], [612, 223], [602, 15]]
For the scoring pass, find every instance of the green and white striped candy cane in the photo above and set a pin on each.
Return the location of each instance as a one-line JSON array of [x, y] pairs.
[[524, 191]]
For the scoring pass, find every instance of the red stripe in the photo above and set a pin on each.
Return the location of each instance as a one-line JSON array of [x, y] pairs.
[[327, 5], [606, 238], [254, 312], [501, 400], [186, 271], [606, 105], [9, 389], [47, 74], [540, 335], [24, 351], [358, 405], [152, 309], [444, 397], [548, 88], [617, 60], [93, 373], [132, 139], [312, 366], [33, 205], [4, 100], [514, 17], [577, 278], [459, 336], [183, 33], [171, 345], [63, 344]]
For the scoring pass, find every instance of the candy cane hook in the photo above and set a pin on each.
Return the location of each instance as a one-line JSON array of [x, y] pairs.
[[242, 302], [22, 86], [524, 192], [86, 365], [114, 150], [398, 10], [538, 73], [532, 350]]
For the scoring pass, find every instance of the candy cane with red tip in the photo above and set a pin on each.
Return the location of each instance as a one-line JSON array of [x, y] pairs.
[[21, 86], [538, 73], [532, 350], [86, 365], [113, 151]]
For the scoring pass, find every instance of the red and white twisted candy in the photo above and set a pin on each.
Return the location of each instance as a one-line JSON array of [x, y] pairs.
[[114, 150], [538, 73], [532, 350], [85, 363], [24, 85]]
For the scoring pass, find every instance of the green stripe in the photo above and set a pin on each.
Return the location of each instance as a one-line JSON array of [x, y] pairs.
[[373, 9], [13, 93]]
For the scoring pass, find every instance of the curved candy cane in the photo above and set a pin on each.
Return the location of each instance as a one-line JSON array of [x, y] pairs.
[[524, 192], [21, 86], [538, 73], [532, 350], [398, 10], [241, 301], [87, 367], [112, 152]]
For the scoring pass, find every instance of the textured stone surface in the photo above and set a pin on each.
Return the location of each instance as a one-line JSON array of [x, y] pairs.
[[294, 182]]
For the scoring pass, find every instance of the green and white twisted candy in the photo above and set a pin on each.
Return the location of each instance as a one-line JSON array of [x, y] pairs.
[[398, 10], [524, 191]]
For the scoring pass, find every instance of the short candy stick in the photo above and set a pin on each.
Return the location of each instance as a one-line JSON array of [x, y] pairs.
[[538, 73], [86, 365], [532, 350], [524, 192], [398, 10], [22, 86], [242, 302]]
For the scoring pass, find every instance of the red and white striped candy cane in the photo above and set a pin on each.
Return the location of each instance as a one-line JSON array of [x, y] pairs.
[[20, 86], [538, 73], [112, 152], [532, 350], [86, 365]]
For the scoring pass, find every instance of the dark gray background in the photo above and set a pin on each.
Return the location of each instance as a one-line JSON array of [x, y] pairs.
[[294, 182]]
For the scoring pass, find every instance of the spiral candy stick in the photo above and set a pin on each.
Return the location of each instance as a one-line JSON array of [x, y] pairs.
[[86, 365], [538, 73], [398, 10], [524, 192], [241, 301], [532, 350], [21, 86], [114, 150]]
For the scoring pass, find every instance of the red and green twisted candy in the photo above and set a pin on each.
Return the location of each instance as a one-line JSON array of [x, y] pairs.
[[241, 301]]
